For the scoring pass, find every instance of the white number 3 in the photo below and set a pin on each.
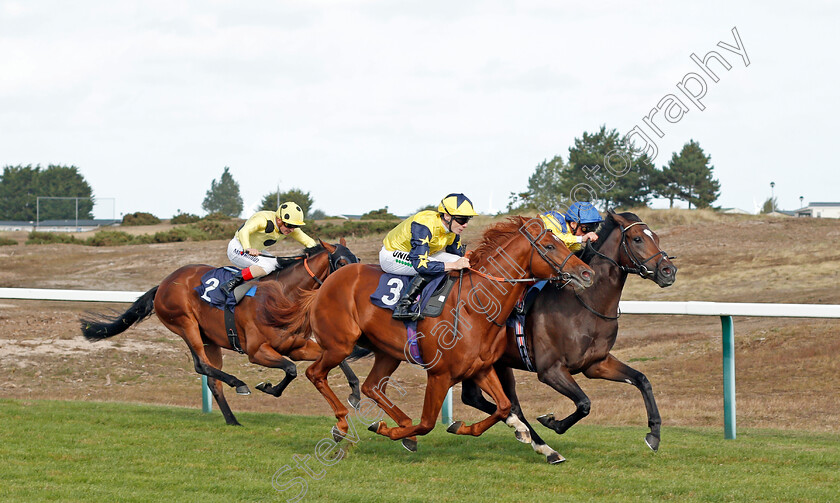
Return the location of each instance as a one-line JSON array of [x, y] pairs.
[[396, 285]]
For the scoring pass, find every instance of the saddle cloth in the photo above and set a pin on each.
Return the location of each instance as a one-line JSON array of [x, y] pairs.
[[210, 292], [392, 286]]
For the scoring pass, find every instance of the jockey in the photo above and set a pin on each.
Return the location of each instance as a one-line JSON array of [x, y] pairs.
[[574, 227], [262, 230], [425, 245]]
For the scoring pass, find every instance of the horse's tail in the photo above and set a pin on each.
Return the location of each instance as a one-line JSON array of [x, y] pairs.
[[100, 327], [292, 317]]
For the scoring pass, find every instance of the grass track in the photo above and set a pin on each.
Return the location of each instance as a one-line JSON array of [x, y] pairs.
[[88, 451]]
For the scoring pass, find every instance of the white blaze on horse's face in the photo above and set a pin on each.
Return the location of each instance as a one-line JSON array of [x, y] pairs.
[[650, 234]]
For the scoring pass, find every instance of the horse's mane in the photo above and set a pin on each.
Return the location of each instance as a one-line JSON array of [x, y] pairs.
[[284, 262], [497, 236], [603, 233]]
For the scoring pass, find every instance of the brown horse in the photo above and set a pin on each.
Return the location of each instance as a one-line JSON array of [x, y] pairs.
[[463, 343], [202, 326], [569, 333]]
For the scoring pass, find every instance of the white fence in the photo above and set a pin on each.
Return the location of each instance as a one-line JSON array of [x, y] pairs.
[[726, 310]]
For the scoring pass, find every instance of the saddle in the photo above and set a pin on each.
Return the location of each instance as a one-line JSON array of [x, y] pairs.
[[516, 320]]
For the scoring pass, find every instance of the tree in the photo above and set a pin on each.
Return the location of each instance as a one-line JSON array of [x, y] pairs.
[[20, 186], [303, 199], [665, 185], [609, 169], [691, 177], [769, 206], [223, 196], [543, 187]]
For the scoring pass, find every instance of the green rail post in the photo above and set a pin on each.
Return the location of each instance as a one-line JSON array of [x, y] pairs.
[[206, 404], [446, 411], [728, 378]]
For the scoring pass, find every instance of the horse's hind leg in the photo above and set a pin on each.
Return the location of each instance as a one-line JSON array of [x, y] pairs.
[[558, 377], [612, 369], [214, 354], [436, 387], [204, 367], [310, 351], [508, 381], [374, 387], [317, 374], [488, 381]]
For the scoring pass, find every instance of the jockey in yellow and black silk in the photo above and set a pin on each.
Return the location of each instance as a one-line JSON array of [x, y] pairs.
[[259, 232], [425, 245]]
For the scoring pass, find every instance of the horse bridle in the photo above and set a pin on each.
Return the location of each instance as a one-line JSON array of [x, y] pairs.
[[334, 260], [640, 268]]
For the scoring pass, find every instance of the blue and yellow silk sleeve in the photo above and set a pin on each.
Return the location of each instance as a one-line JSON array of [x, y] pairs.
[[419, 254], [457, 247]]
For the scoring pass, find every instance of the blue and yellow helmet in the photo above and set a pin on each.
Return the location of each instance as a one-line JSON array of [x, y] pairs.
[[457, 205], [583, 212]]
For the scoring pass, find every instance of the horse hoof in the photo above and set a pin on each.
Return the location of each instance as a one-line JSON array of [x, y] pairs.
[[546, 420], [337, 435], [354, 401], [454, 427], [410, 445], [652, 442], [523, 436], [374, 427], [554, 458], [243, 390]]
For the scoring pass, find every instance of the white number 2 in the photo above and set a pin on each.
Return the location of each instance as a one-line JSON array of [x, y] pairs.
[[212, 284], [396, 285]]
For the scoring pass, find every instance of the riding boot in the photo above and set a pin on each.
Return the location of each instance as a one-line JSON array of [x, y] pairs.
[[232, 283], [404, 311]]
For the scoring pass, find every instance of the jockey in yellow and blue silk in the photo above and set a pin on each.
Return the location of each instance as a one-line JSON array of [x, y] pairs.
[[425, 245], [259, 232], [574, 227]]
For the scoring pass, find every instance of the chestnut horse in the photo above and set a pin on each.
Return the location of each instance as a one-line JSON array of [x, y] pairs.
[[463, 343], [202, 326], [569, 333]]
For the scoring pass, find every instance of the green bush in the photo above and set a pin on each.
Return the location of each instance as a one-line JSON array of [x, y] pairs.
[[216, 216], [217, 229], [110, 238], [380, 214], [7, 242], [140, 218], [184, 218], [350, 228], [42, 238]]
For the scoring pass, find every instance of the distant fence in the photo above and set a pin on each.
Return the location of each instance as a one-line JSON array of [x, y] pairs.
[[726, 310]]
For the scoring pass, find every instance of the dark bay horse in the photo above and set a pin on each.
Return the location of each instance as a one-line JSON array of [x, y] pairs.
[[569, 333], [202, 326], [463, 343]]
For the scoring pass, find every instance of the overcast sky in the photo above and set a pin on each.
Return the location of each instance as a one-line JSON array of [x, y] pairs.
[[372, 103]]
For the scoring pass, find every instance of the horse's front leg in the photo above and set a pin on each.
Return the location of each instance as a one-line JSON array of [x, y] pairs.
[[612, 369], [374, 387], [558, 377]]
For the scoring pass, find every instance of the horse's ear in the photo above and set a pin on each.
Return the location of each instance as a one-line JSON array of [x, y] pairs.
[[330, 248], [610, 211], [342, 242]]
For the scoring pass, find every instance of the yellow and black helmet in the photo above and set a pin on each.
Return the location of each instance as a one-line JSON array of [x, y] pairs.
[[457, 205], [290, 213]]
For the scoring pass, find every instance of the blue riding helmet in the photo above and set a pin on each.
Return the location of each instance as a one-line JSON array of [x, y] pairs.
[[583, 213]]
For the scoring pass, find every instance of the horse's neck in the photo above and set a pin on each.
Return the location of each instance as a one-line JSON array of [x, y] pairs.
[[609, 278], [297, 275]]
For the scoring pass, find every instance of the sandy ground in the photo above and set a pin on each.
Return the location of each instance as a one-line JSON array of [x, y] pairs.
[[788, 375]]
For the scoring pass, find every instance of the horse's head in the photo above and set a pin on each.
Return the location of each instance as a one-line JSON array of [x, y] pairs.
[[640, 252], [525, 245], [556, 259], [339, 254]]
